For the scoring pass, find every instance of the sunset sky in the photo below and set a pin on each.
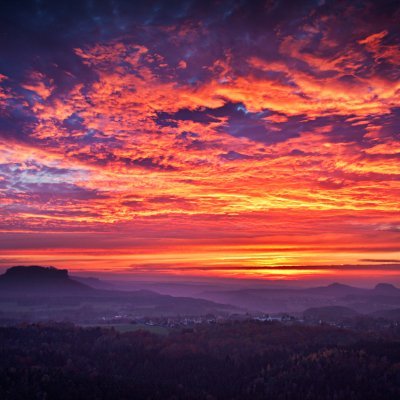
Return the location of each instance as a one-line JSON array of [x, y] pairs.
[[256, 139]]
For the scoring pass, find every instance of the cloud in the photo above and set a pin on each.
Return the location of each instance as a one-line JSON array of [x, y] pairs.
[[194, 121]]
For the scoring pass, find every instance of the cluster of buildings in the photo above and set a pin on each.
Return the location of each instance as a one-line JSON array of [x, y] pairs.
[[189, 321]]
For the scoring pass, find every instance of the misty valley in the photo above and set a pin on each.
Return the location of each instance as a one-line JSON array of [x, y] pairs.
[[61, 338], [35, 294]]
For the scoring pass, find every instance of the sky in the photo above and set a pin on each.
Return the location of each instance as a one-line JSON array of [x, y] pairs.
[[256, 139]]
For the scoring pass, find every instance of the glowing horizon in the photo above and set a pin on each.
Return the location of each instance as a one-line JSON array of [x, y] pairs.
[[240, 139]]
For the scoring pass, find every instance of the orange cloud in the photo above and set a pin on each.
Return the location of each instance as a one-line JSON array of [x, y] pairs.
[[152, 166]]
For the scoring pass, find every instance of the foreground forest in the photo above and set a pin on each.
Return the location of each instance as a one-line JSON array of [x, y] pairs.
[[237, 360]]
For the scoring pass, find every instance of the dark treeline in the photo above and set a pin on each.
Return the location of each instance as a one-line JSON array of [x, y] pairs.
[[238, 360]]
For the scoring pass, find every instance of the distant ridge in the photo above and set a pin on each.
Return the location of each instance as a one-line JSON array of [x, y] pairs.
[[95, 283], [336, 289], [387, 288], [36, 279], [271, 300]]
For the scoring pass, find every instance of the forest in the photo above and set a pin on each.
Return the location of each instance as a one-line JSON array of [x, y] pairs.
[[232, 360]]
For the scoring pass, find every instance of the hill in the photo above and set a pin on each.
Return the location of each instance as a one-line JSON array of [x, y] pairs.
[[34, 279], [336, 290], [387, 289], [329, 314], [393, 314]]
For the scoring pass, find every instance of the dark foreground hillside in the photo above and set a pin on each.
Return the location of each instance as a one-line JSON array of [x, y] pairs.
[[238, 360]]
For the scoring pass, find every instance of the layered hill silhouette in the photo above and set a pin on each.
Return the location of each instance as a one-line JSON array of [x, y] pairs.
[[28, 285], [48, 292], [383, 295]]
